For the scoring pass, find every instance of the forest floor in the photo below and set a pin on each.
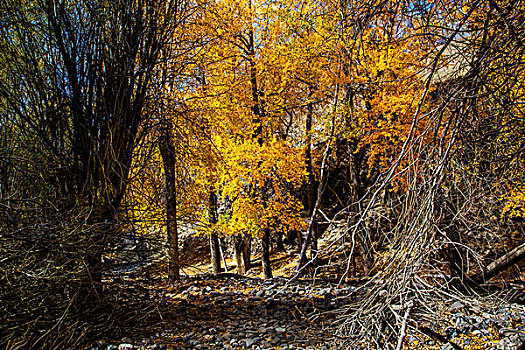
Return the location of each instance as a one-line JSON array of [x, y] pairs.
[[233, 312], [228, 311]]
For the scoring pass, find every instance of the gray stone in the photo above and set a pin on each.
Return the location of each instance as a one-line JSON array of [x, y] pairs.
[[461, 322], [514, 342], [125, 346], [280, 330], [193, 342], [456, 306], [447, 347], [157, 347]]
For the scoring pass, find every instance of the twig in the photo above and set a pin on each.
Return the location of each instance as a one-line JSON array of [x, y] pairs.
[[435, 335], [402, 332]]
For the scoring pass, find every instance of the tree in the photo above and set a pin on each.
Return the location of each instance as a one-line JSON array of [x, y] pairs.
[[167, 151], [78, 78], [252, 166]]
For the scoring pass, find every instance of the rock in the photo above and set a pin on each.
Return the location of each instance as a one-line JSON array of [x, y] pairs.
[[499, 322], [157, 347], [250, 342], [447, 347], [126, 346], [461, 322], [210, 338], [189, 335], [280, 330], [456, 306], [513, 342], [508, 332], [196, 343]]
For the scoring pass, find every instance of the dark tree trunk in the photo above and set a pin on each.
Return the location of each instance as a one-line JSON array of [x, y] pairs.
[[311, 184], [247, 252], [167, 151], [101, 223], [215, 251], [267, 267], [366, 250], [310, 231], [295, 238], [454, 253], [501, 264], [259, 114], [279, 246]]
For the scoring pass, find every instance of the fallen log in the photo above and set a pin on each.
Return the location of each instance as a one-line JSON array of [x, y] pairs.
[[499, 265]]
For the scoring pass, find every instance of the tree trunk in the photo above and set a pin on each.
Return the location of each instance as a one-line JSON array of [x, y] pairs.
[[267, 267], [258, 116], [214, 238], [310, 231], [454, 255], [247, 252], [366, 250], [500, 264], [295, 238], [237, 245], [215, 253], [242, 247], [279, 246], [167, 151], [311, 185], [453, 251], [97, 244], [363, 236], [222, 256], [313, 244]]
